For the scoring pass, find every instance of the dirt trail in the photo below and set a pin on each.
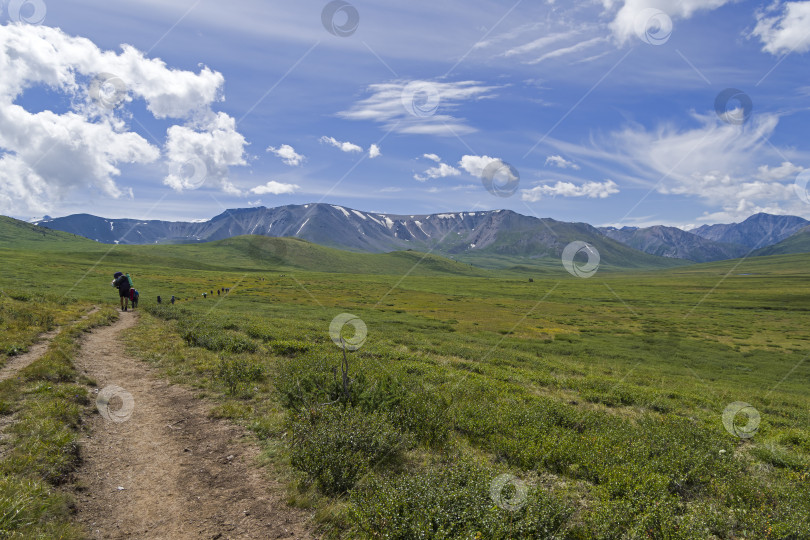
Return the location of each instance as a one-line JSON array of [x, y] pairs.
[[169, 471], [17, 363]]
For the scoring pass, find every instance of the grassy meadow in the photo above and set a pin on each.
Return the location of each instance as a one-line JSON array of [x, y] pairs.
[[480, 405]]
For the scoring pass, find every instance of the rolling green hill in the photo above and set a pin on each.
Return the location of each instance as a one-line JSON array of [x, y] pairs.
[[243, 253], [19, 234]]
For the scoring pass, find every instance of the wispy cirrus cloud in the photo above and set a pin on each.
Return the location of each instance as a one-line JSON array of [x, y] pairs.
[[571, 49], [730, 166], [541, 43], [419, 107]]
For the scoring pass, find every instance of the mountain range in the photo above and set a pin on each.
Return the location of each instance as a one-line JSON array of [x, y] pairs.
[[462, 235]]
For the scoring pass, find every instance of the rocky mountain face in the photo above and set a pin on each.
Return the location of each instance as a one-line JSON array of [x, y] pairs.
[[500, 232], [674, 242], [758, 231]]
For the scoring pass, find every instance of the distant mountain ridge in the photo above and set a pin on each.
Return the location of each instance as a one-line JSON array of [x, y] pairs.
[[459, 234], [673, 242], [758, 231]]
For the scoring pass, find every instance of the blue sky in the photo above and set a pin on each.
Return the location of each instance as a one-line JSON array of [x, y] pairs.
[[601, 111]]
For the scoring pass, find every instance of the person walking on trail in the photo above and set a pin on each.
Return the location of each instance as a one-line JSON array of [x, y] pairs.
[[121, 282]]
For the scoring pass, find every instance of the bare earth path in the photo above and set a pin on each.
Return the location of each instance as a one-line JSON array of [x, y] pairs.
[[17, 363], [169, 471], [35, 352]]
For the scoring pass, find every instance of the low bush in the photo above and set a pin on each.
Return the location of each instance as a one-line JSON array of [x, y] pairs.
[[336, 445], [410, 407], [289, 347], [238, 372], [455, 501], [217, 340]]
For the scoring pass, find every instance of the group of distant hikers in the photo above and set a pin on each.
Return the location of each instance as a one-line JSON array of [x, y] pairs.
[[126, 290], [128, 293], [223, 290]]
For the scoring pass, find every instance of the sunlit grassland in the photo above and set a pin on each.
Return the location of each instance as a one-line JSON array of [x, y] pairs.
[[605, 394], [41, 411]]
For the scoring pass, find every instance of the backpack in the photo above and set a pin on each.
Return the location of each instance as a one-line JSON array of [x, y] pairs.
[[132, 294]]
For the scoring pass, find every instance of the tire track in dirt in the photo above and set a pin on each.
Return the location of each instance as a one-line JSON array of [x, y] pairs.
[[170, 471]]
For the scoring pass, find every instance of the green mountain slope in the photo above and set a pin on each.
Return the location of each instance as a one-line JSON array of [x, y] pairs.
[[799, 242], [16, 233]]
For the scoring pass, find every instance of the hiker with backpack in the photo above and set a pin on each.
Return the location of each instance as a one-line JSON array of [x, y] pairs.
[[122, 283]]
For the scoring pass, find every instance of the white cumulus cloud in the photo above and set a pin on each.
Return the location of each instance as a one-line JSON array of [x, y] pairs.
[[212, 148], [287, 154], [374, 151], [592, 190], [785, 170], [343, 146], [475, 165], [442, 170], [275, 188], [432, 157], [626, 21], [561, 162], [46, 155], [784, 28]]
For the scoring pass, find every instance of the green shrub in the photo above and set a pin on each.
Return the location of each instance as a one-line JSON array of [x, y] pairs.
[[450, 502], [216, 340], [410, 407], [238, 372], [304, 381], [167, 312], [337, 446], [289, 347]]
